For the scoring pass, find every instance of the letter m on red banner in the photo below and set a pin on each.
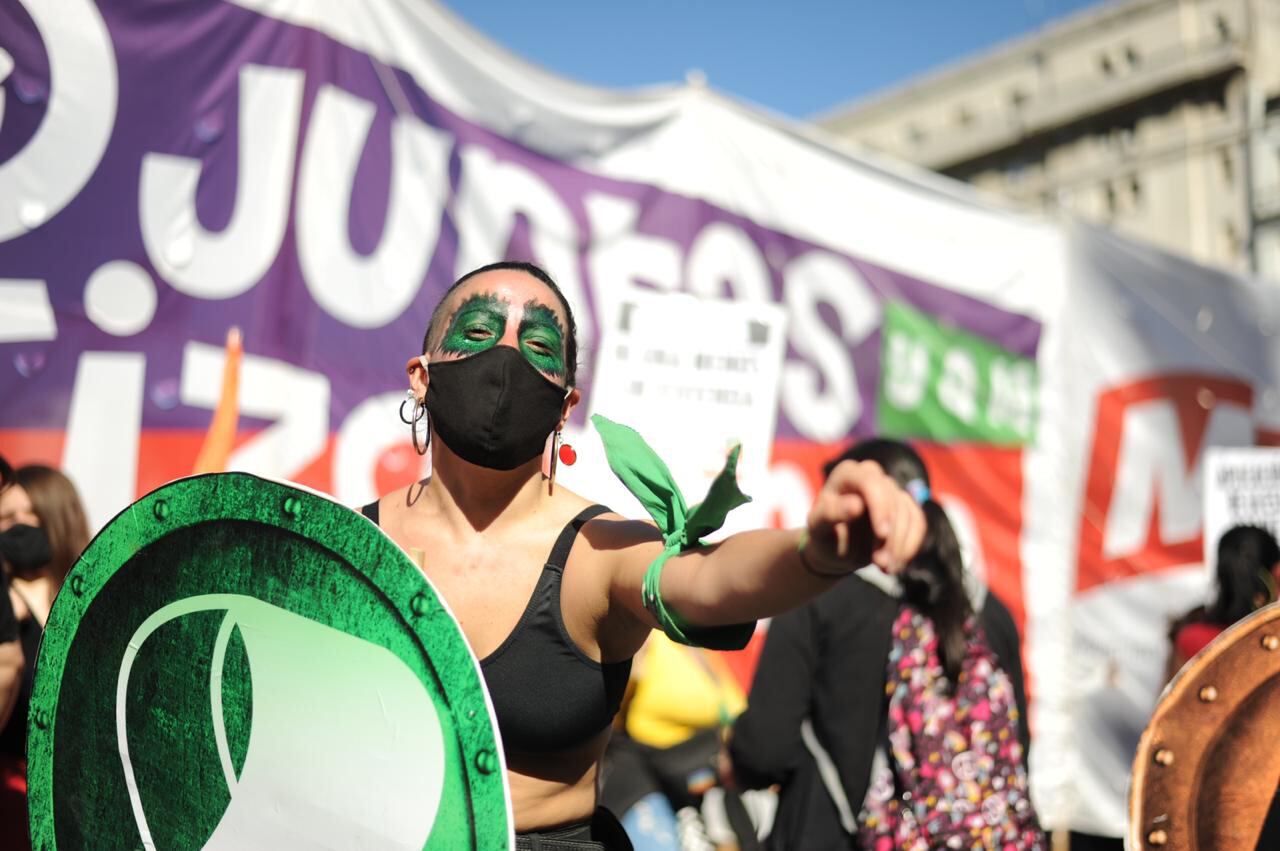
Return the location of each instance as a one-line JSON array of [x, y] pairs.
[[1142, 502]]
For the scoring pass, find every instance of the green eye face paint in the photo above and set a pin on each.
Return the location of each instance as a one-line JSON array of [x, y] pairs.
[[476, 325], [479, 323], [542, 339]]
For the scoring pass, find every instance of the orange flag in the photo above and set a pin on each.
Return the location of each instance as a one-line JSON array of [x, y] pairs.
[[218, 441]]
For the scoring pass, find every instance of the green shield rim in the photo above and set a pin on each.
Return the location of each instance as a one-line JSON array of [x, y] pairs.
[[345, 533]]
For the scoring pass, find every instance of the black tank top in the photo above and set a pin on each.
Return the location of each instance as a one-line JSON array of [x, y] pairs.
[[547, 694]]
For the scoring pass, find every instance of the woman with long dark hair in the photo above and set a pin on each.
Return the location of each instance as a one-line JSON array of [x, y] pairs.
[[1244, 581], [45, 528], [884, 711]]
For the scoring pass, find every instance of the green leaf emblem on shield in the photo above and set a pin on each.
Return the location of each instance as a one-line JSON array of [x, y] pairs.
[[236, 664]]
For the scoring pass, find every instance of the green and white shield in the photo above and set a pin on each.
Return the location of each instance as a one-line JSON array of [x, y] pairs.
[[235, 663]]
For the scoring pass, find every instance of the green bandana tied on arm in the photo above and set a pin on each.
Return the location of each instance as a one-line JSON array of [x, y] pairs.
[[639, 468]]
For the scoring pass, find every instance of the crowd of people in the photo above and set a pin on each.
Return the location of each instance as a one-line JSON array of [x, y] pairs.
[[887, 708]]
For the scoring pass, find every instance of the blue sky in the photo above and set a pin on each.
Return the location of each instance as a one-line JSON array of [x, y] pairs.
[[798, 57]]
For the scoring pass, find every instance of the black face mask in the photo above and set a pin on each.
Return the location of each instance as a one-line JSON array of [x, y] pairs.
[[25, 548], [493, 409]]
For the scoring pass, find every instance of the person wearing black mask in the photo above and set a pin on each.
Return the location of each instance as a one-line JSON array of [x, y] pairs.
[[11, 664], [42, 531], [490, 389]]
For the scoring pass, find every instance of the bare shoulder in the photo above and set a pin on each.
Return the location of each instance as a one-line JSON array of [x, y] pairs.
[[611, 533], [395, 503]]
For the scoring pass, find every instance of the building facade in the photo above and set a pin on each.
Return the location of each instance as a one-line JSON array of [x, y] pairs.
[[1160, 118]]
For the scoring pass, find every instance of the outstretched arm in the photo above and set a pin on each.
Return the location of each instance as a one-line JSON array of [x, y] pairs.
[[860, 517]]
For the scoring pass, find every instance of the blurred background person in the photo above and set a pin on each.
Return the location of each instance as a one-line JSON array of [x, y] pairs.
[[819, 721], [1244, 581], [662, 775], [901, 461], [43, 524]]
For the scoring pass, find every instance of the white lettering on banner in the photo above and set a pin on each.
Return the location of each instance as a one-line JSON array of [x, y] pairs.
[[295, 398], [103, 430], [368, 291], [906, 370], [6, 68], [958, 385], [1013, 396], [66, 148], [618, 256], [28, 315], [722, 255], [490, 196], [825, 413], [369, 430], [1151, 461], [228, 263]]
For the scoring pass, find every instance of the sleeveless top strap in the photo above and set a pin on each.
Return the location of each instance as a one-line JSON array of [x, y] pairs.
[[560, 552], [371, 511]]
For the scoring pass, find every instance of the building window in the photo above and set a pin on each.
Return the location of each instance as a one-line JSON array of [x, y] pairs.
[[1228, 166], [964, 117], [1132, 56], [1018, 98], [1135, 190], [1104, 64], [1223, 28], [915, 135], [1109, 195]]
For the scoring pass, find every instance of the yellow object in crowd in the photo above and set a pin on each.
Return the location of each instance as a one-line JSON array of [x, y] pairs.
[[680, 691]]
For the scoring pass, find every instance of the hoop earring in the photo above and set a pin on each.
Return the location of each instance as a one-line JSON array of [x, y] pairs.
[[419, 414]]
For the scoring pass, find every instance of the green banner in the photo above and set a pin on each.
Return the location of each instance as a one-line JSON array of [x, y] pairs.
[[944, 384]]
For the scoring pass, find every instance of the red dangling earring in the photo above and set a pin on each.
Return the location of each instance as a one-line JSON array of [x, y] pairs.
[[568, 456], [560, 452]]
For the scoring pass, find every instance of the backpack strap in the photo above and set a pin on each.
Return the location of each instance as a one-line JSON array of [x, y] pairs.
[[830, 776]]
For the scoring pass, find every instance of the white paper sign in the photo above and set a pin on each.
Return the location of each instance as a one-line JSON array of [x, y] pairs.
[[694, 376], [1241, 487]]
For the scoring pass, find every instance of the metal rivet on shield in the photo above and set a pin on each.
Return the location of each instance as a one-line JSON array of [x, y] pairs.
[[471, 714], [292, 507], [161, 510], [486, 761], [1164, 756], [419, 604], [1270, 642], [1157, 837], [77, 585], [1208, 694], [41, 718]]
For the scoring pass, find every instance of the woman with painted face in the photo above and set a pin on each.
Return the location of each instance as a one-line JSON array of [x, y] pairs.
[[549, 589], [42, 532]]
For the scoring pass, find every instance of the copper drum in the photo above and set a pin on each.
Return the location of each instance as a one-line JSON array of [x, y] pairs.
[[1208, 763]]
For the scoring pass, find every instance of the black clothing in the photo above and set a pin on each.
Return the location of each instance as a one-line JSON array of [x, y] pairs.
[[8, 620], [547, 694], [603, 832], [826, 661], [13, 738]]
